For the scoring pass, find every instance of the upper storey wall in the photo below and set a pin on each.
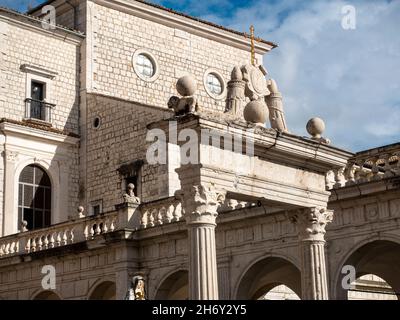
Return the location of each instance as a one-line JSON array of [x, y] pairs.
[[114, 36], [50, 58]]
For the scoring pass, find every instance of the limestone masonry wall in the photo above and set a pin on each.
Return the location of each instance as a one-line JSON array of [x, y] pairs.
[[28, 46], [120, 139], [117, 35]]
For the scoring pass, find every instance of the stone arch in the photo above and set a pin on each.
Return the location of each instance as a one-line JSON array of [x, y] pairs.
[[174, 286], [103, 290], [46, 295], [378, 256], [266, 273]]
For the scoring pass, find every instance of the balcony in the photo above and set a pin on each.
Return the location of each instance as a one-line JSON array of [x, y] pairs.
[[38, 110], [367, 166]]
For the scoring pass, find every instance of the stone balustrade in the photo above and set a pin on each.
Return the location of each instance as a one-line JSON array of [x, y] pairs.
[[58, 235], [151, 214], [366, 166], [160, 212]]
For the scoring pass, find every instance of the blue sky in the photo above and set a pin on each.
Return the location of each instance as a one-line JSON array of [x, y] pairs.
[[350, 78]]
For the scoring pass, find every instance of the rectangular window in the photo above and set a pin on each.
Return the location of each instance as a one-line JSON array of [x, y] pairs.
[[96, 207], [36, 106], [37, 109]]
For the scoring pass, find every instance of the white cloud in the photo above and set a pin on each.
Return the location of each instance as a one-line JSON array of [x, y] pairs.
[[350, 78]]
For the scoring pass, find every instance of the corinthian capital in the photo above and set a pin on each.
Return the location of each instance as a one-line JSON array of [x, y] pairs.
[[311, 223], [200, 203]]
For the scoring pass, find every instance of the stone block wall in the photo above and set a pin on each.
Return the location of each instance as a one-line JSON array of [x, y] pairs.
[[32, 46], [120, 139], [115, 37]]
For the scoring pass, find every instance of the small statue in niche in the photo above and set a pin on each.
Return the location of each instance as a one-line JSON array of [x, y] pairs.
[[136, 290], [130, 196], [24, 226], [186, 86]]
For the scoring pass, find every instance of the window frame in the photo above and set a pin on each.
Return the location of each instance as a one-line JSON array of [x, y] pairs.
[[43, 76], [152, 59], [94, 204], [221, 79], [46, 211]]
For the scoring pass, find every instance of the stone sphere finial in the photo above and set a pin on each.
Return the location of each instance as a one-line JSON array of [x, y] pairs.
[[256, 112], [315, 127], [186, 86]]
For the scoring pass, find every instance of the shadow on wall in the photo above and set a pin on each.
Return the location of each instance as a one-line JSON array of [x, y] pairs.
[[267, 274], [380, 258], [174, 287]]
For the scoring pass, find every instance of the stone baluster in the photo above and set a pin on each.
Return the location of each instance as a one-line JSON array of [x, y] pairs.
[[339, 177], [159, 215], [169, 213], [361, 173], [52, 240], [151, 218], [28, 245], [311, 223], [350, 174], [46, 242], [329, 182], [396, 169], [112, 225], [177, 214], [200, 206], [39, 243], [388, 172], [33, 244], [375, 175], [86, 232], [72, 235], [97, 229]]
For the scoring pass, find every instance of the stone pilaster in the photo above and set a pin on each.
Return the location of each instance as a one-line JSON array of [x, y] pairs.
[[200, 206], [224, 277], [311, 225]]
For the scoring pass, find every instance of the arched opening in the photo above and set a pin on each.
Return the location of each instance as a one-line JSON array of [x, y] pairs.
[[267, 276], [174, 287], [46, 295], [280, 292], [370, 287], [377, 268], [104, 291], [34, 197]]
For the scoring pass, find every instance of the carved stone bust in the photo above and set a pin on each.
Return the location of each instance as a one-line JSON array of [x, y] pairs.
[[130, 196]]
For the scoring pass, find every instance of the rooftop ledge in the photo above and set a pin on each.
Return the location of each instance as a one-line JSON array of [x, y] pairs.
[[179, 20], [269, 144]]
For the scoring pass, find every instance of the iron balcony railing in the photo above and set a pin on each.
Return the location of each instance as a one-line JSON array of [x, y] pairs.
[[37, 109]]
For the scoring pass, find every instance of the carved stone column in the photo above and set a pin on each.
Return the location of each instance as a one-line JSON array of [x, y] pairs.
[[200, 206], [235, 99], [311, 225]]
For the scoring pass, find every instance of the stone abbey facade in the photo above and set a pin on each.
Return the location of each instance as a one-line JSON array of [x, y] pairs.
[[265, 214]]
